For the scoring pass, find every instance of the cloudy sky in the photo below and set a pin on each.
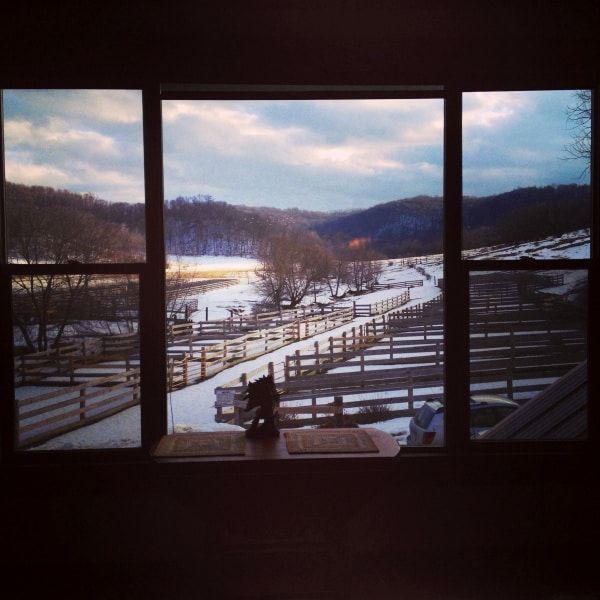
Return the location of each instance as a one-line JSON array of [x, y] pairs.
[[321, 155]]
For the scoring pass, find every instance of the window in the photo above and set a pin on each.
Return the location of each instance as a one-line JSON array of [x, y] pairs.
[[528, 204], [121, 312], [322, 219], [74, 241]]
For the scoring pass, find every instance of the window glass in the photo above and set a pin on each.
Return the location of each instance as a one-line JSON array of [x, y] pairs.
[[76, 361], [74, 173], [304, 241], [526, 173], [528, 344]]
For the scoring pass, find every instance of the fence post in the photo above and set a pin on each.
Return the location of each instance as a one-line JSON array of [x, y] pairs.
[[298, 364], [238, 418], [82, 404], [338, 415], [317, 359], [136, 386], [184, 365]]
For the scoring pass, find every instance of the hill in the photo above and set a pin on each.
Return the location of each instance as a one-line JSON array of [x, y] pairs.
[[201, 225]]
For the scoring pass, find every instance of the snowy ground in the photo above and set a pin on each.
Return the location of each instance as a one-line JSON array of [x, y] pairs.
[[192, 408]]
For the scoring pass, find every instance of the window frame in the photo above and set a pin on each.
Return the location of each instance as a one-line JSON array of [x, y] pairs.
[[152, 280]]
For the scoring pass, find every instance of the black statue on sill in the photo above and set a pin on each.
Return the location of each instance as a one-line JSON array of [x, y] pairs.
[[263, 395]]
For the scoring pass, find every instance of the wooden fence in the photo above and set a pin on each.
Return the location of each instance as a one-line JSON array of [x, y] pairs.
[[382, 306], [191, 359], [395, 359], [179, 291], [219, 329], [514, 362], [45, 416], [54, 366], [95, 378], [356, 342], [196, 363]]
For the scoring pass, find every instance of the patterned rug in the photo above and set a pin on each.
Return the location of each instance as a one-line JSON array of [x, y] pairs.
[[329, 441], [209, 443]]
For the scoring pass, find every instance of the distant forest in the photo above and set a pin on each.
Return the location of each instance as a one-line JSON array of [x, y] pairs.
[[201, 225]]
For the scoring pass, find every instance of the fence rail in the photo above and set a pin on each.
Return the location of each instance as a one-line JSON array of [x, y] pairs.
[[320, 358], [45, 416], [514, 363], [59, 364], [382, 306], [195, 364], [219, 329], [191, 359]]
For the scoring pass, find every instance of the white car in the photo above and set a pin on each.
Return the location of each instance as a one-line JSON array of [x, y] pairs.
[[426, 428]]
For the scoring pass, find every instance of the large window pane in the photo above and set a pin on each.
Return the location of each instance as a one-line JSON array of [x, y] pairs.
[[528, 355], [526, 171], [304, 241], [74, 172], [76, 361]]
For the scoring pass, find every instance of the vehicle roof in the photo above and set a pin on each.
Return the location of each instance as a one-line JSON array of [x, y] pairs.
[[492, 399], [476, 399]]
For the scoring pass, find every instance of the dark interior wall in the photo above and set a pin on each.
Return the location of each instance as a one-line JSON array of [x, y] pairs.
[[168, 512], [501, 520], [299, 41], [67, 515]]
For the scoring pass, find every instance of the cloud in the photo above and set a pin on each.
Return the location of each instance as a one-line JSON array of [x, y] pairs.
[[332, 154], [58, 136], [491, 110], [86, 141], [515, 139]]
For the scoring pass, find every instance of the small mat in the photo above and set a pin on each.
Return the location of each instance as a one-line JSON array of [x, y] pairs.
[[205, 443], [340, 441]]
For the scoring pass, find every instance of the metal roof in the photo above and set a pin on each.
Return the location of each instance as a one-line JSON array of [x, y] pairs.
[[559, 412]]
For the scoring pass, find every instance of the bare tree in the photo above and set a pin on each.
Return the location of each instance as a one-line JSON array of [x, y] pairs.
[[292, 261], [579, 118], [363, 266], [338, 276]]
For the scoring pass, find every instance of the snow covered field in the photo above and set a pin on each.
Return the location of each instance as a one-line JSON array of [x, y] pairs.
[[192, 408]]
